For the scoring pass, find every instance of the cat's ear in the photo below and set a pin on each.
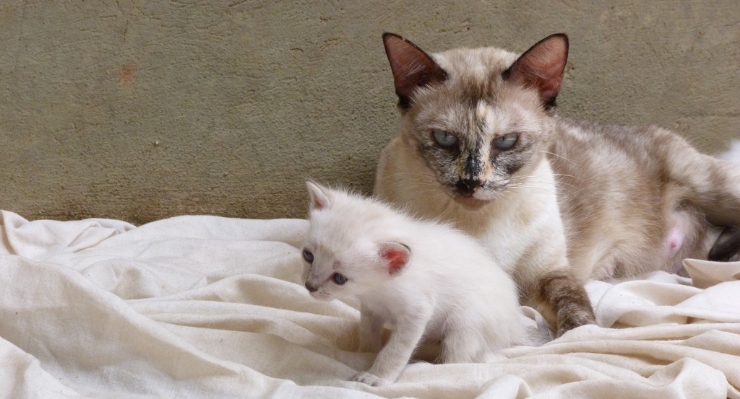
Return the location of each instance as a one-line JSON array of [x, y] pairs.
[[395, 255], [412, 67], [319, 195], [542, 67]]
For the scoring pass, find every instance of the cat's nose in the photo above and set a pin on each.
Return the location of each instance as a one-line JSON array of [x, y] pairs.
[[467, 187], [311, 288]]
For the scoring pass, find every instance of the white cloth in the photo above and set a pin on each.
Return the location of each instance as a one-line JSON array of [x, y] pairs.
[[202, 306]]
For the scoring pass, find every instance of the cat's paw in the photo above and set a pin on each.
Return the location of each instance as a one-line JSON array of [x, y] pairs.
[[369, 379], [574, 320]]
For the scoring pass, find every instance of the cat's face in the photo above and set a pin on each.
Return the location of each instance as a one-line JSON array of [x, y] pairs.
[[323, 274], [478, 141], [329, 275], [342, 255], [477, 120]]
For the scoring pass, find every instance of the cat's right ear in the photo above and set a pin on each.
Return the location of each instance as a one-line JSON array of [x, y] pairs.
[[395, 255], [411, 66], [319, 195]]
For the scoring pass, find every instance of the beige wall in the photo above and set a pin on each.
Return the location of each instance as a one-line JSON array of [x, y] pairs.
[[139, 110]]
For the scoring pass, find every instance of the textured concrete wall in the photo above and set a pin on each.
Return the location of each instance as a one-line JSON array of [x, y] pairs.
[[140, 110]]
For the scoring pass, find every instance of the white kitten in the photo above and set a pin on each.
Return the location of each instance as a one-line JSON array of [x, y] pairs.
[[428, 280]]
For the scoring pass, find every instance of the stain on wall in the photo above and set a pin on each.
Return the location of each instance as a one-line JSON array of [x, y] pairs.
[[144, 110]]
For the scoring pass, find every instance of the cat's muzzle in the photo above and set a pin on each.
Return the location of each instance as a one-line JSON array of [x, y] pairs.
[[467, 187]]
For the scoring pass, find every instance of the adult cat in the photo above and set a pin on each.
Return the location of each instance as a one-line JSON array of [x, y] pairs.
[[555, 201]]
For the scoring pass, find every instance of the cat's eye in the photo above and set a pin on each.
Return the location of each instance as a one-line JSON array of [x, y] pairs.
[[444, 139], [339, 278], [506, 142], [307, 256]]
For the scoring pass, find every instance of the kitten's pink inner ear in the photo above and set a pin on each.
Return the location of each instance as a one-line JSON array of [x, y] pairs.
[[542, 67], [412, 68], [396, 256]]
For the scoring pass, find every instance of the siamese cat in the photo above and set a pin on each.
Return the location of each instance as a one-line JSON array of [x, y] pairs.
[[555, 201]]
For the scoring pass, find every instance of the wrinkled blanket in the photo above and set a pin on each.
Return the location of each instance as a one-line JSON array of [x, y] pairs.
[[202, 306]]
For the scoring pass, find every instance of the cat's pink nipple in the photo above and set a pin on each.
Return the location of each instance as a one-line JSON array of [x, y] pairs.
[[675, 240]]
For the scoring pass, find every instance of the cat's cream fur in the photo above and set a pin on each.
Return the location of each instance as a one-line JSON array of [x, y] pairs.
[[429, 280], [571, 200]]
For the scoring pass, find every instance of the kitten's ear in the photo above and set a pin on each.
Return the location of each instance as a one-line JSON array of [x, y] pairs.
[[396, 255], [319, 195], [542, 67], [412, 68]]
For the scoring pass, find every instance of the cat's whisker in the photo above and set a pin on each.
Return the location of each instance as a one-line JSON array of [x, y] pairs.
[[403, 174], [548, 182], [559, 156], [539, 188], [563, 175]]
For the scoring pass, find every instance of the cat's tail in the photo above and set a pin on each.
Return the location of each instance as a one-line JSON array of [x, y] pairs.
[[725, 241], [732, 155], [709, 183]]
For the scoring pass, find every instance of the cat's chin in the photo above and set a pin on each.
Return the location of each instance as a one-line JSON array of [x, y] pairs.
[[322, 296], [479, 199], [470, 203]]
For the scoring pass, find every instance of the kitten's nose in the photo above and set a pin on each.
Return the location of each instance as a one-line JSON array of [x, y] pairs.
[[311, 288], [467, 187]]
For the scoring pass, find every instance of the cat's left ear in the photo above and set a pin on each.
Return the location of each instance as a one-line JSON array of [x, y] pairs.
[[542, 67], [319, 195], [396, 256]]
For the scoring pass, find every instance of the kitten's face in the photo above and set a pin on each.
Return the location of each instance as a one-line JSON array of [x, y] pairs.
[[346, 250], [478, 133], [330, 274], [326, 277]]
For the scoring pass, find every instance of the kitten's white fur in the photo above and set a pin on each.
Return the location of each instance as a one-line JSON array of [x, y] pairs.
[[446, 286]]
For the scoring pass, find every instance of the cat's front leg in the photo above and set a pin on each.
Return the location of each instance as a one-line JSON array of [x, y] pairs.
[[371, 330], [563, 294], [396, 354]]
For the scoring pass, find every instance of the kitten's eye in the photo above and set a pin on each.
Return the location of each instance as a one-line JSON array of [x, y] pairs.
[[339, 278], [443, 138], [307, 256], [506, 141]]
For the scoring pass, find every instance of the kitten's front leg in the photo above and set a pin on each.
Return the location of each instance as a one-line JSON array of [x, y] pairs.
[[396, 354], [371, 330]]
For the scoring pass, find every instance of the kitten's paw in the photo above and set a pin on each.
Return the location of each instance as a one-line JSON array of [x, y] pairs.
[[369, 379]]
